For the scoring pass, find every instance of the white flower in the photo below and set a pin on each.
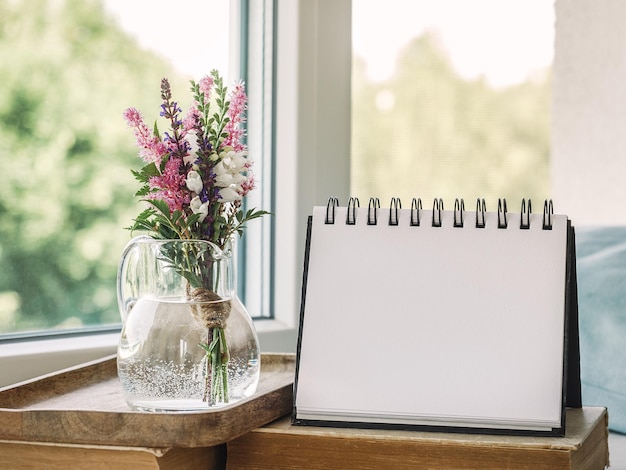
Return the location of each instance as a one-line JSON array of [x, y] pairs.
[[193, 147], [231, 175], [199, 207], [223, 177], [194, 182], [235, 161], [230, 169], [229, 194]]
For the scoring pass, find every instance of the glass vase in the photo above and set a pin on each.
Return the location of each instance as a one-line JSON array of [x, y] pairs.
[[187, 341]]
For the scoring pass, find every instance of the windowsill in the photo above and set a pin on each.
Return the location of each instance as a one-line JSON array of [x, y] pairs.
[[29, 358], [276, 336]]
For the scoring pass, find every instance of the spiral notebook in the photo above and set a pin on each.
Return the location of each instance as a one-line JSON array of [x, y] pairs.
[[438, 319]]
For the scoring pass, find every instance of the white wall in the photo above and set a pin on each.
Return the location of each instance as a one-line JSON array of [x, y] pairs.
[[589, 111]]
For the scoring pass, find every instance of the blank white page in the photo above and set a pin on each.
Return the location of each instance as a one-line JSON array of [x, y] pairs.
[[457, 326]]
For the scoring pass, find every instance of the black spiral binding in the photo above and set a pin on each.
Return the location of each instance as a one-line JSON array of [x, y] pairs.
[[393, 210], [437, 209], [353, 203], [333, 202], [372, 211], [524, 222], [437, 218], [481, 208], [502, 221], [548, 210], [416, 207], [459, 209]]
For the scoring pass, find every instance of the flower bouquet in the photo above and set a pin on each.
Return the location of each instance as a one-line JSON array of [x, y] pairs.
[[194, 180]]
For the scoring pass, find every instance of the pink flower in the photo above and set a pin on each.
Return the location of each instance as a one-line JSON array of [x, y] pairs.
[[151, 148], [247, 185], [236, 113], [171, 185], [206, 85], [192, 119]]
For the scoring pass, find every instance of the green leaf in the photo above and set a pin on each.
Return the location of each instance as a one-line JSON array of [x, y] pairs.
[[160, 206], [144, 191], [146, 172], [193, 219], [155, 130], [255, 214], [143, 221]]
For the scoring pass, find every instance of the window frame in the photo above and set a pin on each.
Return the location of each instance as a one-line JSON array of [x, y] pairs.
[[313, 83]]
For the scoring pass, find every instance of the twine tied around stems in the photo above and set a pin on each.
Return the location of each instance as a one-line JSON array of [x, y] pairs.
[[211, 309]]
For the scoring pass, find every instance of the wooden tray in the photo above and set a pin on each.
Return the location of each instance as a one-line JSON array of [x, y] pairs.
[[84, 405]]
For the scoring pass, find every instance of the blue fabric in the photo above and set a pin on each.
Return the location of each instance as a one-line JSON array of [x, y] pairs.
[[601, 265]]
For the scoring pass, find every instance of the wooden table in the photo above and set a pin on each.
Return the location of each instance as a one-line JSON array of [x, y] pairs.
[[78, 418], [22, 455], [280, 445]]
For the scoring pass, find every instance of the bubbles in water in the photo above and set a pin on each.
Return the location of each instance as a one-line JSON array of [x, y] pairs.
[[162, 367]]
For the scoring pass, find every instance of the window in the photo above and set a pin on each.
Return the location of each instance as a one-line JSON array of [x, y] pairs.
[[312, 130], [490, 99], [451, 102], [69, 69], [66, 192]]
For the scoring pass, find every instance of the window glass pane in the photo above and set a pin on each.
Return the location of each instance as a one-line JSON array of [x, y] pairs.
[[451, 99], [68, 70]]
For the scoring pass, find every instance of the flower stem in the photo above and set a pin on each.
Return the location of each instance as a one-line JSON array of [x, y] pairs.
[[209, 372], [217, 357]]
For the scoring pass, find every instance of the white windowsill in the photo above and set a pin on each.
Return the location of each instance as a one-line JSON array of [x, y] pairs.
[[24, 360]]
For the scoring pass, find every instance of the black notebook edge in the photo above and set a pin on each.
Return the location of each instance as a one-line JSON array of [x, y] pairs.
[[572, 395], [305, 271]]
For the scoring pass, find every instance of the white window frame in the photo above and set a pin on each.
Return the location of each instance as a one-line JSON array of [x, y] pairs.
[[312, 153]]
